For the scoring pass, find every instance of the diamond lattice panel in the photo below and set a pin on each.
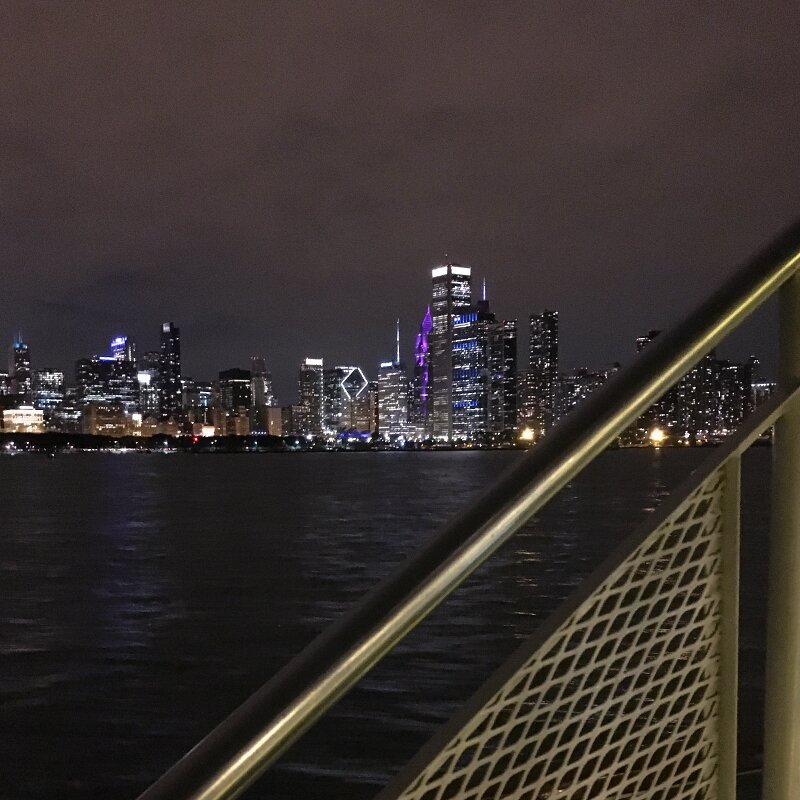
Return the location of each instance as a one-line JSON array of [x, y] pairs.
[[621, 701]]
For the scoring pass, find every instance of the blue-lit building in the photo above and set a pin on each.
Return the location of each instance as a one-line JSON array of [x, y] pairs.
[[471, 376], [109, 379], [19, 370], [451, 295]]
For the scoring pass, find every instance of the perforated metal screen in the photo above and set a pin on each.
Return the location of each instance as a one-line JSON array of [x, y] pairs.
[[622, 700]]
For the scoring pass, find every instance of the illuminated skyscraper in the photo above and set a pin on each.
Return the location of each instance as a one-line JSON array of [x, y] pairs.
[[308, 418], [735, 394], [148, 379], [392, 399], [19, 369], [419, 409], [452, 294], [148, 392], [392, 395], [541, 382], [345, 404], [470, 371], [91, 379], [123, 349], [122, 380], [48, 390], [502, 375], [169, 368]]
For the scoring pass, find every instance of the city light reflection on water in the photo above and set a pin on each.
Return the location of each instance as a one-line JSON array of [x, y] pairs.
[[143, 598]]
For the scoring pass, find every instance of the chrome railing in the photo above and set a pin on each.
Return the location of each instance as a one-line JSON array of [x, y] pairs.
[[232, 756], [630, 688]]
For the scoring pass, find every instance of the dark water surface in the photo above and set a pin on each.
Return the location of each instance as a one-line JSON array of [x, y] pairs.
[[142, 597]]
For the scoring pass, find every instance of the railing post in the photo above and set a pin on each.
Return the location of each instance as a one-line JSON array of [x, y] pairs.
[[729, 634], [782, 712]]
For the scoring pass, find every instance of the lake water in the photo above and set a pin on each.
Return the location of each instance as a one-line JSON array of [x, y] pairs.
[[142, 597]]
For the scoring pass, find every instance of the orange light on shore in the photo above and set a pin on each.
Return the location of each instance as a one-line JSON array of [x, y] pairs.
[[657, 437], [526, 434]]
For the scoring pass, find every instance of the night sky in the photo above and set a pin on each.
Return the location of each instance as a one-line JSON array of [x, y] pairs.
[[278, 178]]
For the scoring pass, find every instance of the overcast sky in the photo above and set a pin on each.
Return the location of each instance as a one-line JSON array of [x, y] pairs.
[[278, 178]]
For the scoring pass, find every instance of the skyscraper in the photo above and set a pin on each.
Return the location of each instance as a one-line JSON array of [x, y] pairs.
[[345, 400], [122, 381], [148, 379], [123, 349], [261, 394], [577, 385], [48, 390], [392, 399], [19, 369], [419, 407], [735, 394], [393, 395], [309, 380], [502, 375], [169, 367], [261, 383], [452, 294], [470, 371], [234, 390], [541, 389]]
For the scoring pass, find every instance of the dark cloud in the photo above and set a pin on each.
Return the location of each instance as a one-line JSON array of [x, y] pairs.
[[276, 178]]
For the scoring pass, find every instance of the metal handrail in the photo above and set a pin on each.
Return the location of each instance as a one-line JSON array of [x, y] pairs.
[[238, 750]]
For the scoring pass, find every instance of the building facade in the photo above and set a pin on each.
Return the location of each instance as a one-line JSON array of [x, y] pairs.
[[502, 362], [308, 419], [169, 369], [422, 380], [19, 370], [451, 295], [541, 382], [470, 382], [393, 394], [48, 390]]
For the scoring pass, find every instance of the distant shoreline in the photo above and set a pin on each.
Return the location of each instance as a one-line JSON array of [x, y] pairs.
[[51, 444]]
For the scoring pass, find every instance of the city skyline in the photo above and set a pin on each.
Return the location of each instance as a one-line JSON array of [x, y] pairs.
[[624, 160], [466, 384], [403, 345]]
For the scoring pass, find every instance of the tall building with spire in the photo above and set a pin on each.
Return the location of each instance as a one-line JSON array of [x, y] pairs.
[[19, 369], [421, 382], [451, 295], [393, 395]]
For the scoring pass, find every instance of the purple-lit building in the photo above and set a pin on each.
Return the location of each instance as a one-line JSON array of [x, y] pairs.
[[422, 382]]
